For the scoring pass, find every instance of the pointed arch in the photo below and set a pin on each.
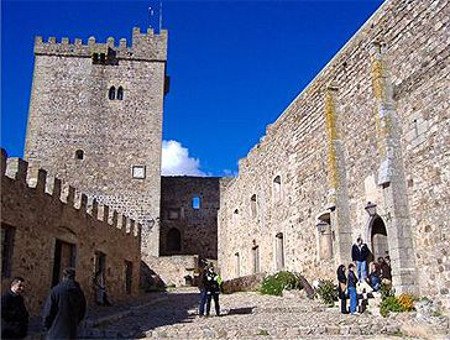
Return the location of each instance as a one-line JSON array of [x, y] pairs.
[[112, 93]]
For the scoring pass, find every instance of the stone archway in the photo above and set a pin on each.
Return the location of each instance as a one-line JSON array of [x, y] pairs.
[[173, 243], [378, 238]]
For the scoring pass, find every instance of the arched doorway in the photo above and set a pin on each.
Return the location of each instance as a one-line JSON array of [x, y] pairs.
[[173, 240], [378, 238], [325, 237]]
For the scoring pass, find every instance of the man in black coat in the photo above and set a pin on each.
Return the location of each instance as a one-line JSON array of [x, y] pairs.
[[65, 308], [14, 313]]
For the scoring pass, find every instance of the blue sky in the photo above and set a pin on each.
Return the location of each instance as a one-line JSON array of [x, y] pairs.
[[234, 65]]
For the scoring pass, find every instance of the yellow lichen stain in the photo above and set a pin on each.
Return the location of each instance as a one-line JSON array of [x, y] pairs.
[[330, 120], [377, 79]]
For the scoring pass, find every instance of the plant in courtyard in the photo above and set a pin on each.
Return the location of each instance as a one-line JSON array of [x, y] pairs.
[[275, 284], [390, 304], [327, 292], [406, 301], [262, 332], [386, 290]]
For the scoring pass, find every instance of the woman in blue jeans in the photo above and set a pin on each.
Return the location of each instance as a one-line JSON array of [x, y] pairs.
[[351, 287]]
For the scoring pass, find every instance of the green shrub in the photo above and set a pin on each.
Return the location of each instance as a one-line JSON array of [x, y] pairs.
[[327, 292], [386, 291], [390, 304], [275, 284]]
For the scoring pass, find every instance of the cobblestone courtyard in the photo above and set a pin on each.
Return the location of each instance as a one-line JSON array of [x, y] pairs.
[[247, 315]]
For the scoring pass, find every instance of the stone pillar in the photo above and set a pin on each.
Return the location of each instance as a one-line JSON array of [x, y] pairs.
[[391, 176], [338, 194]]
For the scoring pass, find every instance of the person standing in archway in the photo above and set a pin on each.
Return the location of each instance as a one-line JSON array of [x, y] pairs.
[[360, 252]]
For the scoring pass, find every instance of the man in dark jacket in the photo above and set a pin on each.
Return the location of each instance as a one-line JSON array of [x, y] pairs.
[[14, 313], [65, 308], [360, 252]]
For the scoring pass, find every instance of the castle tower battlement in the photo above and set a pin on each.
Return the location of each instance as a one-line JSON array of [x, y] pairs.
[[95, 120], [144, 46]]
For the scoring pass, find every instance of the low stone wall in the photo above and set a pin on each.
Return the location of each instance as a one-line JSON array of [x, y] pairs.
[[45, 227], [244, 283], [173, 269]]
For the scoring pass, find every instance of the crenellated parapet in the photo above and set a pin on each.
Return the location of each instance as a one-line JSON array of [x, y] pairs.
[[39, 185], [146, 46]]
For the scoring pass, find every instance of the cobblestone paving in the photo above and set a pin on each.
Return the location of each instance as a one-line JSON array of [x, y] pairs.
[[246, 315]]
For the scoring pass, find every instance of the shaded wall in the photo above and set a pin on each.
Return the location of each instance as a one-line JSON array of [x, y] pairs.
[[45, 213]]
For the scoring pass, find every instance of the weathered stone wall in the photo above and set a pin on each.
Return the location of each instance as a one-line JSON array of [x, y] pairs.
[[70, 110], [197, 228], [173, 269], [42, 214], [372, 126]]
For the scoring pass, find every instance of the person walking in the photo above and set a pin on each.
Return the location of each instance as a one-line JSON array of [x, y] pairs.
[[212, 288], [342, 285], [65, 308], [351, 287], [15, 316], [360, 252]]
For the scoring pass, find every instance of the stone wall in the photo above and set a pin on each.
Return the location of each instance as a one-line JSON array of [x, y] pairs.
[[187, 229], [173, 269], [108, 148], [40, 216], [373, 126]]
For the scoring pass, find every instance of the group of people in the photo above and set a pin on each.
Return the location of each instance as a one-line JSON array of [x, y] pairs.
[[209, 286], [63, 310], [380, 271]]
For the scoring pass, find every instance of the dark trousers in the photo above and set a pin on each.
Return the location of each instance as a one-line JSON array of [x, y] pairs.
[[201, 308], [343, 305], [215, 296]]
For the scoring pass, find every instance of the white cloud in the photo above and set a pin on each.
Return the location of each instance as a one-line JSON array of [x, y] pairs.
[[176, 161]]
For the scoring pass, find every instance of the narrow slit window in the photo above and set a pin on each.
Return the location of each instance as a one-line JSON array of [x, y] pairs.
[[253, 205], [277, 188], [112, 93]]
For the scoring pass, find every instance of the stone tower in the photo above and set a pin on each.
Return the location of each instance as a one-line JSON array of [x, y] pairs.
[[95, 120]]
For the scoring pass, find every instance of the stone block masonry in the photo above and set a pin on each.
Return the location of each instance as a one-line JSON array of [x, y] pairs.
[[189, 207], [47, 226], [95, 120], [373, 126]]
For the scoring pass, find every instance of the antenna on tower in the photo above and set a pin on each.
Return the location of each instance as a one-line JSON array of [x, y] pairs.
[[151, 13], [160, 15]]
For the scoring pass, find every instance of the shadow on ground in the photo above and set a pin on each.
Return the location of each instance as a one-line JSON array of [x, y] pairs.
[[241, 311], [174, 310]]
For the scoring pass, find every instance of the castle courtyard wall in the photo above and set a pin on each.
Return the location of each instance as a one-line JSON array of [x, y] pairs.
[[47, 211], [373, 126], [197, 226]]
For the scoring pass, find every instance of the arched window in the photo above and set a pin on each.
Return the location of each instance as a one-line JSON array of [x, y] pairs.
[[173, 240], [112, 93], [102, 58], [120, 93], [276, 188], [79, 154], [253, 205]]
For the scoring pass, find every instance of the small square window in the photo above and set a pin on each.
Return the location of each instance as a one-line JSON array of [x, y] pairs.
[[138, 171], [196, 203]]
